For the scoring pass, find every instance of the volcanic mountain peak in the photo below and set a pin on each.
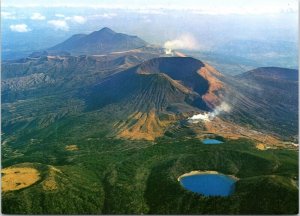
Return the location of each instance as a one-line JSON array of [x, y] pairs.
[[106, 30], [174, 64], [159, 91], [100, 42], [101, 35], [160, 86], [182, 69], [192, 73]]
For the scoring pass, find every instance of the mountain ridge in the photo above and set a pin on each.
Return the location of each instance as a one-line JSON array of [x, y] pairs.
[[271, 73], [158, 85]]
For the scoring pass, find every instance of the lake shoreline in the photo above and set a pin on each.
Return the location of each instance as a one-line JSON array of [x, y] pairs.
[[199, 172]]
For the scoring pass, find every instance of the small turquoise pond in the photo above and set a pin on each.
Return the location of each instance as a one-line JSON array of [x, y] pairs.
[[209, 184], [211, 141]]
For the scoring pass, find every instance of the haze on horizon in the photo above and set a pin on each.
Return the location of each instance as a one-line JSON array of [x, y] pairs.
[[205, 24]]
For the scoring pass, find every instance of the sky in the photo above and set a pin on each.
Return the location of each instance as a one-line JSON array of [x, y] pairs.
[[37, 24], [203, 6]]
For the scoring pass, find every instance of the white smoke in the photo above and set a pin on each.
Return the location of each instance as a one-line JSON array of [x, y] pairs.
[[185, 41], [198, 117], [224, 107]]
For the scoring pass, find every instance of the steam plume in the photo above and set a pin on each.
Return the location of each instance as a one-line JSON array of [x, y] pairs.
[[224, 107], [185, 41]]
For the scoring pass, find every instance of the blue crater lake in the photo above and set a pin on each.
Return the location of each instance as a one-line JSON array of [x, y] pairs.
[[209, 184], [211, 141]]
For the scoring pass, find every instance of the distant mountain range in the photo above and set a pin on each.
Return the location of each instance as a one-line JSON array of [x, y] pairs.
[[99, 42]]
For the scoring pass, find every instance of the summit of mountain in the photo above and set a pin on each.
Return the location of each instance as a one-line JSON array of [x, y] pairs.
[[156, 92], [102, 41]]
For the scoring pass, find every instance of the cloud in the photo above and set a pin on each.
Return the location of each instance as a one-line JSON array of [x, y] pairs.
[[216, 7], [59, 24], [261, 9], [37, 16], [79, 19], [64, 21], [185, 41], [109, 15], [76, 19], [19, 28], [105, 15], [150, 11], [60, 15], [147, 20], [8, 15]]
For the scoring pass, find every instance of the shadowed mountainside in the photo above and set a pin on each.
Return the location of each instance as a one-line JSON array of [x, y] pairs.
[[157, 89], [272, 95]]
